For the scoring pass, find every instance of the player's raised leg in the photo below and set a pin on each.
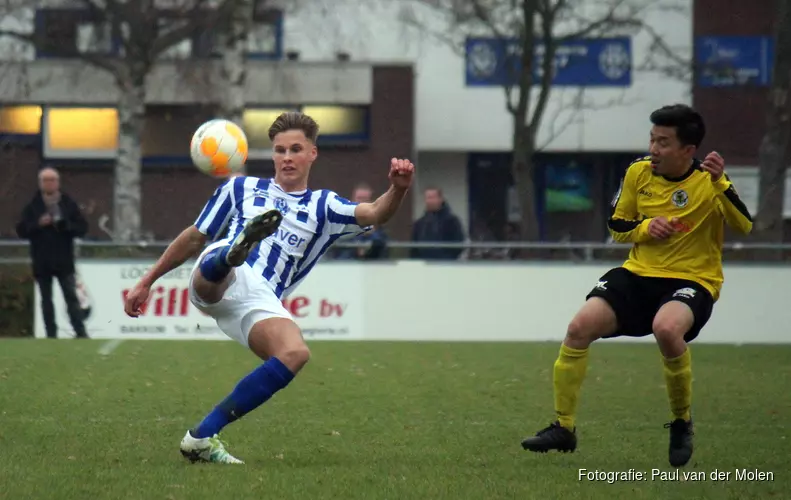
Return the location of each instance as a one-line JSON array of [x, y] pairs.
[[672, 323], [211, 280], [279, 342], [595, 319]]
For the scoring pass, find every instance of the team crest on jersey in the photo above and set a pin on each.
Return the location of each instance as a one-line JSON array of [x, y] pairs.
[[281, 205], [680, 198]]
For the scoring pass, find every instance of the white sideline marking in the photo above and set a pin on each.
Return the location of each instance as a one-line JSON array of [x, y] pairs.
[[107, 348]]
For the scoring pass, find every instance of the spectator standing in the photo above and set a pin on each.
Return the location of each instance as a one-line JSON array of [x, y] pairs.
[[437, 225], [50, 222]]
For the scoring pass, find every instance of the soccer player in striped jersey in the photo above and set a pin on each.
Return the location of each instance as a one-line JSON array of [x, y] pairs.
[[266, 234]]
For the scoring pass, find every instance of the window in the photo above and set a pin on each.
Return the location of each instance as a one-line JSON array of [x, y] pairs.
[[85, 133], [94, 37], [56, 32], [179, 51], [264, 41], [20, 120], [68, 32], [168, 130], [340, 125], [256, 123]]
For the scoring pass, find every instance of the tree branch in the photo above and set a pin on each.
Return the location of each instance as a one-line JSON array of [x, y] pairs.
[[193, 20], [605, 23], [547, 68], [680, 68]]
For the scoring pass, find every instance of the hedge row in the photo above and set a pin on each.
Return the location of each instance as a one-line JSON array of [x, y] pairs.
[[16, 301]]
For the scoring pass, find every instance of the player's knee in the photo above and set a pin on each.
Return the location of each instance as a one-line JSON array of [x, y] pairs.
[[208, 291], [669, 329], [595, 320], [295, 356], [580, 332]]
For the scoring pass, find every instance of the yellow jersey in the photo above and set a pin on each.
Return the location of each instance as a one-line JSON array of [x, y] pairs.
[[700, 208]]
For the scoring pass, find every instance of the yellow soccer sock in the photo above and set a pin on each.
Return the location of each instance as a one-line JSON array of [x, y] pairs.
[[678, 379], [569, 373]]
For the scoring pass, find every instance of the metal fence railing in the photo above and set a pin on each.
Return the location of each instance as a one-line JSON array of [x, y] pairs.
[[16, 251]]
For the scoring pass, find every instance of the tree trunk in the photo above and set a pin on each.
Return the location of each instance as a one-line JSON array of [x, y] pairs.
[[522, 172], [773, 152], [127, 188], [233, 70]]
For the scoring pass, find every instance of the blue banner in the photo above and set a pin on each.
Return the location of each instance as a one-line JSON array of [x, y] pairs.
[[594, 62], [730, 61]]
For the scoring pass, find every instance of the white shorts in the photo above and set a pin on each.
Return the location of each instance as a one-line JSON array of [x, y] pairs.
[[248, 300]]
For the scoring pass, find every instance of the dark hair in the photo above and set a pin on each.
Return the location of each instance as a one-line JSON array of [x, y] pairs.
[[689, 125], [294, 120], [432, 188]]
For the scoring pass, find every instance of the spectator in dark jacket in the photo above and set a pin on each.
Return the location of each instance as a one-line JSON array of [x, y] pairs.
[[438, 224], [375, 240], [51, 221]]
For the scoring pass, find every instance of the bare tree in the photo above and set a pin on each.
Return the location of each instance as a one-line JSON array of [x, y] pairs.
[[773, 153], [128, 38], [233, 71], [539, 27]]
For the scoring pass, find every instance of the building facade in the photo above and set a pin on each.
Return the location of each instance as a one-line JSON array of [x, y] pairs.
[[383, 87], [58, 110]]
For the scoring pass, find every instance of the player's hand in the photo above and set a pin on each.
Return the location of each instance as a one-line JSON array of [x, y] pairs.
[[135, 300], [401, 173], [660, 228], [45, 220], [714, 164]]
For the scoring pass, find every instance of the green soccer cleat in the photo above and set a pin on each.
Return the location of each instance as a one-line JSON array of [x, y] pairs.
[[206, 450]]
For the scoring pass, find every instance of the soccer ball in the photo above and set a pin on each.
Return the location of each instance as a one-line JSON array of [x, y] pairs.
[[219, 148]]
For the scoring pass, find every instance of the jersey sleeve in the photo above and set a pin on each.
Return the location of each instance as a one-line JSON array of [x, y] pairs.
[[625, 223], [341, 220], [217, 212], [732, 207]]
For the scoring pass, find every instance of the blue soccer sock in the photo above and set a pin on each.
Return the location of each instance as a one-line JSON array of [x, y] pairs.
[[214, 266], [250, 393]]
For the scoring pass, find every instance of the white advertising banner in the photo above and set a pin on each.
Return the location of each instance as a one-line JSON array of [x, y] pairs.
[[320, 307], [417, 301]]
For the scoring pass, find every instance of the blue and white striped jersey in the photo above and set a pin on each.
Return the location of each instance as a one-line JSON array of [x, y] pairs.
[[312, 222]]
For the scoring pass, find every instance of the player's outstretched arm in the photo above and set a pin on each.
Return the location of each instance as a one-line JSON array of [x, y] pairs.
[[384, 207], [732, 207], [624, 223], [186, 245]]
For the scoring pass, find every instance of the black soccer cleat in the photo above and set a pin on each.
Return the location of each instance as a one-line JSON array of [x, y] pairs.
[[554, 437], [257, 229], [680, 450]]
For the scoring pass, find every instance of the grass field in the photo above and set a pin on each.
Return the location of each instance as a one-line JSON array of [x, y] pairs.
[[380, 420]]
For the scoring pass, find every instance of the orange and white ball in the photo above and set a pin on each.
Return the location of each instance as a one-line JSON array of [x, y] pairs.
[[219, 148]]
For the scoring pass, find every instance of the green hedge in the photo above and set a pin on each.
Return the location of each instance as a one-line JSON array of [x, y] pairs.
[[16, 300]]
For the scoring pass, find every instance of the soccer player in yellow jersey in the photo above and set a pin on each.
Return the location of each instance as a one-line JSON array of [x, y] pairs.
[[672, 208]]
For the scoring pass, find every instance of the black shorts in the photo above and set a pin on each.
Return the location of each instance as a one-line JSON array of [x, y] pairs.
[[636, 300]]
